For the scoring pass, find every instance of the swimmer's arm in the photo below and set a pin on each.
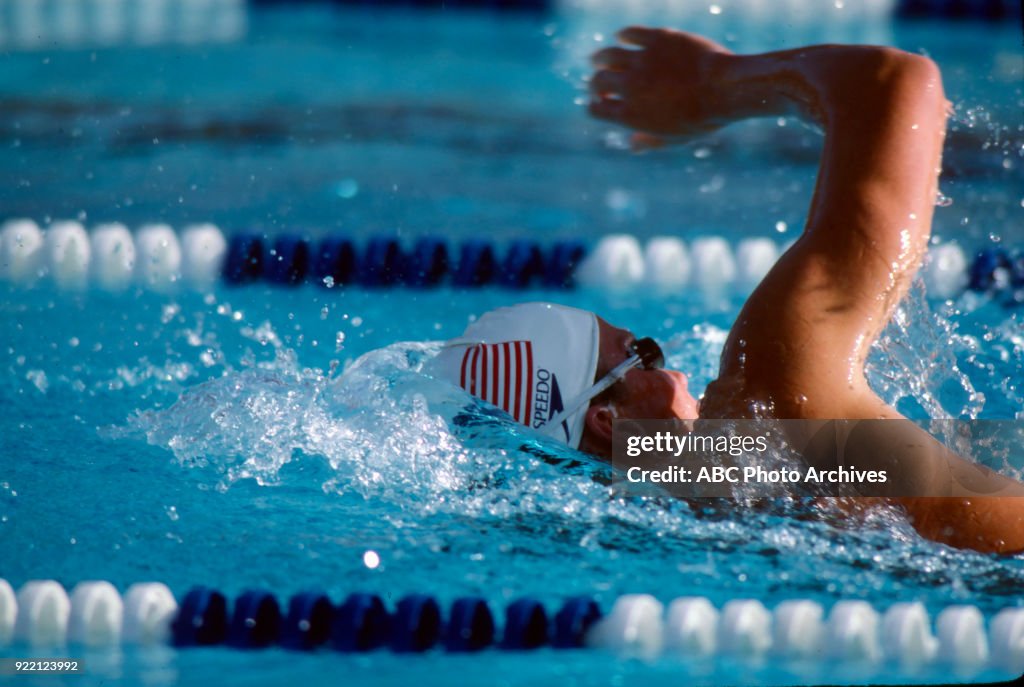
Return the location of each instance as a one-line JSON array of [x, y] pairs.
[[964, 504], [884, 114], [817, 312], [913, 462], [989, 524], [947, 497]]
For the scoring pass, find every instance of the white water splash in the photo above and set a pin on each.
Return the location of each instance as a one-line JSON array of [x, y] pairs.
[[915, 360]]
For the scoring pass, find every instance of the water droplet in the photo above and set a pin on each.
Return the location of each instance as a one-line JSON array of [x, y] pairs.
[[781, 227], [942, 200], [346, 188], [371, 560], [716, 184], [616, 140]]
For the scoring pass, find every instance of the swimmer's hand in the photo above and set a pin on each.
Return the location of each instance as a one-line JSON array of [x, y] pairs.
[[664, 88]]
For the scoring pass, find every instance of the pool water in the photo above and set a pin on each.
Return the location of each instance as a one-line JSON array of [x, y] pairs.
[[271, 437]]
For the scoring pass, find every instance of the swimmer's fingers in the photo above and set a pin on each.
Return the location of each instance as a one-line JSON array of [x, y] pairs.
[[607, 108], [640, 35], [607, 82], [615, 58]]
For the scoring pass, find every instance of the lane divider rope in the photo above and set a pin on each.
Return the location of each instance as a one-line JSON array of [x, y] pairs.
[[43, 615], [155, 257]]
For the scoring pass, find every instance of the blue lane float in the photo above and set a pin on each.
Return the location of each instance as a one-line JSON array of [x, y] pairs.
[[470, 626], [1017, 269], [523, 265], [202, 619], [335, 263], [990, 267], [491, 5], [526, 625], [561, 264], [66, 256], [361, 623], [288, 262], [427, 263], [416, 625], [256, 622], [382, 263], [477, 266], [572, 622], [244, 261], [308, 623], [989, 10]]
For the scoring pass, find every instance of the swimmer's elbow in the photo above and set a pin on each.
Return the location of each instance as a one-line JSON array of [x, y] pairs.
[[913, 80]]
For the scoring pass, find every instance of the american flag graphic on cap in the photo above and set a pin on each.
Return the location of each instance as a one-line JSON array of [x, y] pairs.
[[501, 374]]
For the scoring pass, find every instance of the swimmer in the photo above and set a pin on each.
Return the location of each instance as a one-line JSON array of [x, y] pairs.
[[798, 347]]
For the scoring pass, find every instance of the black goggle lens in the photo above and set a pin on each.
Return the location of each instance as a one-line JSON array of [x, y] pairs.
[[650, 353]]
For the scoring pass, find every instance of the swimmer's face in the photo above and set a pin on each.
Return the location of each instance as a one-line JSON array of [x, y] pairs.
[[641, 394]]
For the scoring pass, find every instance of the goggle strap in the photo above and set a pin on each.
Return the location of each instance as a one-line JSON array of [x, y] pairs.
[[617, 373]]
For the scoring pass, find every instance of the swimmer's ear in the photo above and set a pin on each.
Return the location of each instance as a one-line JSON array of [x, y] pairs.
[[599, 421]]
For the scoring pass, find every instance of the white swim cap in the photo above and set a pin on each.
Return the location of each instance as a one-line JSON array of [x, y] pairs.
[[526, 359]]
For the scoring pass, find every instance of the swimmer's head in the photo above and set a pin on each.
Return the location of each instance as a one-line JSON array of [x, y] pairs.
[[534, 360]]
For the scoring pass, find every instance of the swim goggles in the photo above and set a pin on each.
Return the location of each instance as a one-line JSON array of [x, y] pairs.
[[644, 353]]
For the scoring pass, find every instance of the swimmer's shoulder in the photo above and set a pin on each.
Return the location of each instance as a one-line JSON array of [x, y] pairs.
[[744, 393], [804, 327]]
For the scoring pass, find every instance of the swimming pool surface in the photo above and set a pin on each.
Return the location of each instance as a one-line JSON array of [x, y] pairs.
[[259, 437]]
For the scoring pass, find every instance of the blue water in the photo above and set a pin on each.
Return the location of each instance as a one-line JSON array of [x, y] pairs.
[[262, 438]]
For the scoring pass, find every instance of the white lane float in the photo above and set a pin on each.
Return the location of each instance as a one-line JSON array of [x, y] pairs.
[[113, 256], [149, 609], [96, 614], [67, 254], [43, 610], [157, 257], [691, 628], [21, 252], [203, 248]]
